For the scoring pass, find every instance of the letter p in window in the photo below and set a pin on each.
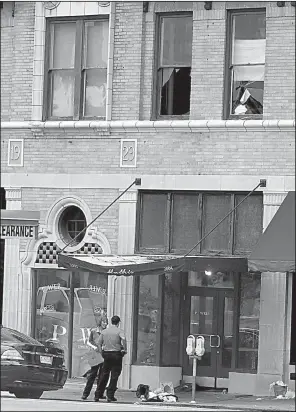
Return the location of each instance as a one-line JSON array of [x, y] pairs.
[[128, 153]]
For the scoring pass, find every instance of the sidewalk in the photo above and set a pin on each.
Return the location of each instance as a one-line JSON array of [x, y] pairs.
[[208, 398]]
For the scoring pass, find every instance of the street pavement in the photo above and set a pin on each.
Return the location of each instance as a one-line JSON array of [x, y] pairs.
[[69, 398], [10, 403]]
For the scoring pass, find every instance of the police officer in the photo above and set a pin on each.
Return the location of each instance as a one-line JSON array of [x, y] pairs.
[[112, 344]]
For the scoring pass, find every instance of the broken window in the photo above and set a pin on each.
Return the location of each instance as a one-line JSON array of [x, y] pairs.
[[247, 62], [77, 69], [174, 68]]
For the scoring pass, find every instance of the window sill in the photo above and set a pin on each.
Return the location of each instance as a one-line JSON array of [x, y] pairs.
[[245, 117], [172, 117], [71, 119]]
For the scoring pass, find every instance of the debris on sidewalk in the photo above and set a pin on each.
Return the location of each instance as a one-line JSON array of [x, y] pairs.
[[281, 390], [158, 395]]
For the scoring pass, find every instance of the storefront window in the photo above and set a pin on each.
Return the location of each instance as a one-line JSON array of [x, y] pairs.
[[171, 320], [211, 279], [90, 306], [148, 324], [249, 321], [53, 305]]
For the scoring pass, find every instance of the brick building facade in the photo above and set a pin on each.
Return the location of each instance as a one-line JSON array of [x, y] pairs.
[[55, 156]]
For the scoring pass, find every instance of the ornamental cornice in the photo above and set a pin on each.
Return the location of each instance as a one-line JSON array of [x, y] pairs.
[[135, 126]]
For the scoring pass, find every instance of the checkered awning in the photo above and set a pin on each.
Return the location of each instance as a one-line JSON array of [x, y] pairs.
[[48, 251]]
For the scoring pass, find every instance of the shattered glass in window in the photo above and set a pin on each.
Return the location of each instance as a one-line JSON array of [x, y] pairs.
[[174, 74], [248, 63]]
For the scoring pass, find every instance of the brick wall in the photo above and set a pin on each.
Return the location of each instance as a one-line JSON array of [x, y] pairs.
[[133, 76], [17, 41], [279, 93], [97, 200], [230, 153], [127, 60]]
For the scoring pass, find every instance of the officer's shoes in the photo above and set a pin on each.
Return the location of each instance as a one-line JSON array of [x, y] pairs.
[[111, 399]]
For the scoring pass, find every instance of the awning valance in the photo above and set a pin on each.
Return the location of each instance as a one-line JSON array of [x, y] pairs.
[[132, 265], [20, 217], [275, 250]]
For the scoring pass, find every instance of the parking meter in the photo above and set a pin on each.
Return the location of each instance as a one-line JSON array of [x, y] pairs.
[[191, 344], [195, 349], [200, 346]]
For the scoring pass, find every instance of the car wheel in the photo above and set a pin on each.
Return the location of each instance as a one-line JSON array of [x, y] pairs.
[[24, 393]]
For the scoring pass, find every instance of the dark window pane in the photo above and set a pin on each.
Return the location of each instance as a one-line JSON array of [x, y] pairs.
[[185, 232], [248, 223], [227, 338], [153, 220], [249, 26], [171, 319], [249, 321], [148, 319], [211, 279], [175, 91], [176, 45], [216, 208]]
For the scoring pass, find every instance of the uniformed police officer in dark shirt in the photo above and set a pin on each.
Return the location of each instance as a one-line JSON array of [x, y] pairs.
[[112, 344]]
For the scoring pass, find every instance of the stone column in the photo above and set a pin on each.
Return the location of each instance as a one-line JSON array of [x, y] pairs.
[[16, 285], [121, 288], [273, 314]]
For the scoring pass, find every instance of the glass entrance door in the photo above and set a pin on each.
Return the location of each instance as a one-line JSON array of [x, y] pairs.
[[210, 314]]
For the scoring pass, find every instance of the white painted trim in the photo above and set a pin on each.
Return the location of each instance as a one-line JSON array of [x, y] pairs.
[[164, 125], [117, 181], [121, 153]]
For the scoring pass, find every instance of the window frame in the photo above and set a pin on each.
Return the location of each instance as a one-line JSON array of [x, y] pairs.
[[78, 103], [156, 103], [168, 224], [228, 66]]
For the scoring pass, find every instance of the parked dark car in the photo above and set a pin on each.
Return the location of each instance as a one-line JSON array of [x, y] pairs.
[[28, 368]]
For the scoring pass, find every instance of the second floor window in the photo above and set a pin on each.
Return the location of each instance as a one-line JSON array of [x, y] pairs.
[[247, 62], [174, 65], [77, 55]]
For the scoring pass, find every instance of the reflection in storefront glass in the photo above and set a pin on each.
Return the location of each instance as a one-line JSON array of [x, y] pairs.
[[249, 321], [53, 307], [147, 319], [90, 294]]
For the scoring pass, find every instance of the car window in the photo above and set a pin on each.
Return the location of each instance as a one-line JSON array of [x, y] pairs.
[[11, 335], [56, 301]]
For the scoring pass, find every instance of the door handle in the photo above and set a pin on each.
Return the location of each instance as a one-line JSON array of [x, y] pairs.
[[218, 343]]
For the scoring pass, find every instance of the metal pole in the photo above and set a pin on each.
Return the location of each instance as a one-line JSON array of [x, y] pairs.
[[194, 379], [70, 327], [136, 182]]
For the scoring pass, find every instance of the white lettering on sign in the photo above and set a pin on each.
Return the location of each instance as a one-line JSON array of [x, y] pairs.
[[120, 272], [168, 268], [54, 286], [97, 289], [8, 231]]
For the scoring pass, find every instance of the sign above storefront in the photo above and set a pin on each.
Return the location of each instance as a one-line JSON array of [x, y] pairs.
[[19, 224]]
